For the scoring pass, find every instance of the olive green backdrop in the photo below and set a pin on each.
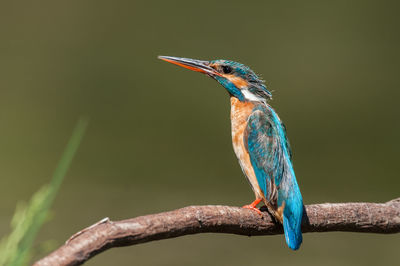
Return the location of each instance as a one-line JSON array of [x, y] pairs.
[[159, 136]]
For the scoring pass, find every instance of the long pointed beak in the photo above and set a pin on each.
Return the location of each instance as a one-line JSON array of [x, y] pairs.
[[192, 64]]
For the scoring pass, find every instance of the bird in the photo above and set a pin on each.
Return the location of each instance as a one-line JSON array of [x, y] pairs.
[[259, 141]]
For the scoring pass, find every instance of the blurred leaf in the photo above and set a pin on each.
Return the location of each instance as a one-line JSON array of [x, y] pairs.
[[16, 248]]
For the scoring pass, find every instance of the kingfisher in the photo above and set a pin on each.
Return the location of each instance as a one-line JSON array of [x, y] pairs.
[[259, 141]]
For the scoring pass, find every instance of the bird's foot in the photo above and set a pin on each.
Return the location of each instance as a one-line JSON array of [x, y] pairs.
[[253, 207]]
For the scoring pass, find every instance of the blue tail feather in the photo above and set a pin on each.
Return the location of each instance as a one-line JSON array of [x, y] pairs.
[[292, 233], [292, 216]]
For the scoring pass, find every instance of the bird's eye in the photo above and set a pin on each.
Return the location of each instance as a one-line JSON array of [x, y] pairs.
[[226, 69]]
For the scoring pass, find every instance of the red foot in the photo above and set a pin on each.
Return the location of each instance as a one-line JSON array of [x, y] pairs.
[[253, 205]]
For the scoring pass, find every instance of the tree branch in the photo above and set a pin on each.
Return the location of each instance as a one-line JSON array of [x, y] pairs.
[[327, 217]]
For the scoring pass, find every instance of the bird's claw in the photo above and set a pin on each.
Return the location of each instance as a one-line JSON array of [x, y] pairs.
[[251, 207]]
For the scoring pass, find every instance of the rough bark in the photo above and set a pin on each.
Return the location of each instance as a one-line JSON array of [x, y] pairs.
[[351, 217]]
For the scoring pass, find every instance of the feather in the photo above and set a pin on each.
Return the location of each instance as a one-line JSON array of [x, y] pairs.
[[270, 157]]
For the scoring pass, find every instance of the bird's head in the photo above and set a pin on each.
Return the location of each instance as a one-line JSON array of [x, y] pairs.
[[239, 80]]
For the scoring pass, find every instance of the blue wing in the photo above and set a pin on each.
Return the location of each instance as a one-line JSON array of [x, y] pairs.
[[270, 156]]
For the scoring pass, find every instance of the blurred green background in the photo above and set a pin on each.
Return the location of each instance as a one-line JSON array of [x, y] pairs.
[[159, 136]]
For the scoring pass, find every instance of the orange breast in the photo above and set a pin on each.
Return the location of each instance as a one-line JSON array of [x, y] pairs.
[[240, 112]]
